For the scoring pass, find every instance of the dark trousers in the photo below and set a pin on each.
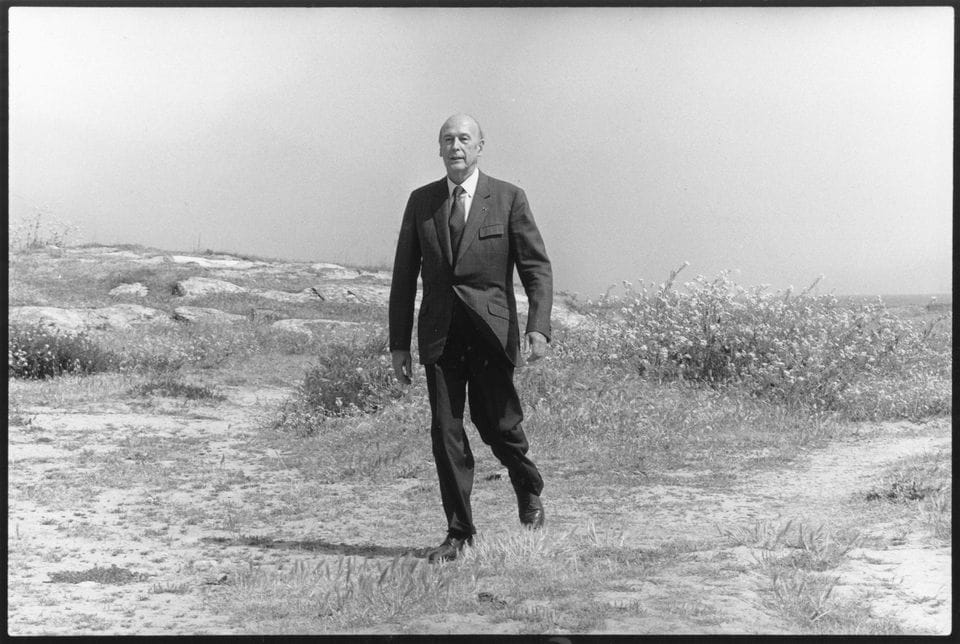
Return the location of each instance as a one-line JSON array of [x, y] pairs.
[[471, 370]]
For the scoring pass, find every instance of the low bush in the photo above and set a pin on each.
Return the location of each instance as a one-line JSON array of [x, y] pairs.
[[35, 352], [796, 349], [351, 377]]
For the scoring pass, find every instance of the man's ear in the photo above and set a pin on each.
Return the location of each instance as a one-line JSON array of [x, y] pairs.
[[480, 147]]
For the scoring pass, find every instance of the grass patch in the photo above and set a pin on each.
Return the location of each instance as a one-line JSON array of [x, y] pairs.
[[112, 575], [580, 414], [924, 484], [171, 588], [173, 388], [807, 600], [504, 576], [795, 560]]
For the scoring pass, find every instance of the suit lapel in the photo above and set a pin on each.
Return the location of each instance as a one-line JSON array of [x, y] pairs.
[[441, 219], [478, 212]]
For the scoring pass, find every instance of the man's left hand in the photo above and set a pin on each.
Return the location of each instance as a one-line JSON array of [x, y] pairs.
[[538, 346]]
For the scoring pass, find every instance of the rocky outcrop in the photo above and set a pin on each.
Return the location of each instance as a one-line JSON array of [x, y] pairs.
[[205, 315], [198, 286], [71, 321], [135, 290], [217, 261]]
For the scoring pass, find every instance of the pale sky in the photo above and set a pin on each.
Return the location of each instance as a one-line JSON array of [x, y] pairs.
[[778, 143]]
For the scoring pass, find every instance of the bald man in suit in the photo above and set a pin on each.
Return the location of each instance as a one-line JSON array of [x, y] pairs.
[[465, 234]]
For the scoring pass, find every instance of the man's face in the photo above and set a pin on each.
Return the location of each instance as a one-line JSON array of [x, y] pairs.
[[460, 147]]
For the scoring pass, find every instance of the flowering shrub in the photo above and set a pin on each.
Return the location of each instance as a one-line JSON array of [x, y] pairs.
[[36, 352], [796, 349]]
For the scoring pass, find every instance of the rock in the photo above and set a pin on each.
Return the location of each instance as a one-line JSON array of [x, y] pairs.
[[197, 286], [219, 261], [72, 321], [362, 293], [137, 289], [302, 326], [69, 321], [205, 315], [87, 584], [122, 316], [336, 272]]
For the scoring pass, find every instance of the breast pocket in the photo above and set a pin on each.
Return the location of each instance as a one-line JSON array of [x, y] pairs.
[[492, 240], [493, 230]]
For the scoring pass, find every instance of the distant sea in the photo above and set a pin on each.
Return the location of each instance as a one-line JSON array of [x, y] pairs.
[[919, 299]]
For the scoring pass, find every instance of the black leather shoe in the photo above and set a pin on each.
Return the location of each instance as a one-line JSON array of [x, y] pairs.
[[449, 549], [530, 510]]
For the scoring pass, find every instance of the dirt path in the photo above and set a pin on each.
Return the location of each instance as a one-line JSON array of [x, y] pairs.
[[161, 492]]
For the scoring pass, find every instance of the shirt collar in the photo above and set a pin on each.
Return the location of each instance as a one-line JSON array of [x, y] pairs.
[[469, 184]]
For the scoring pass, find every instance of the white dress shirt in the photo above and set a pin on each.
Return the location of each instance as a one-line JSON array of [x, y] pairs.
[[469, 186]]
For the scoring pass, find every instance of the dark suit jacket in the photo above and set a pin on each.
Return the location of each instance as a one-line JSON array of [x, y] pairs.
[[500, 234]]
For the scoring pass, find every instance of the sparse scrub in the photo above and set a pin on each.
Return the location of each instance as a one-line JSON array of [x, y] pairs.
[[36, 352]]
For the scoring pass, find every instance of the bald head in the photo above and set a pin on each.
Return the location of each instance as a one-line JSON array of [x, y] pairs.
[[464, 120], [461, 143]]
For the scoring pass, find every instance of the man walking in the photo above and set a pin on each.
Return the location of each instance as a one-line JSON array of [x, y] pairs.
[[465, 234]]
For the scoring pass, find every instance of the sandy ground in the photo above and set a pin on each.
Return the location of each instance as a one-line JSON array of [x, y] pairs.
[[182, 481]]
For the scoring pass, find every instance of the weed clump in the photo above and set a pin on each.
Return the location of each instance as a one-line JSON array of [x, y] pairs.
[[34, 352]]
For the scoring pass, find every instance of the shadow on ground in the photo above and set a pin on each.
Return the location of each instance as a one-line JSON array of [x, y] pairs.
[[318, 545]]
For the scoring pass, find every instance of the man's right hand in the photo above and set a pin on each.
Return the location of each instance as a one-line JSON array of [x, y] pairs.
[[402, 366]]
